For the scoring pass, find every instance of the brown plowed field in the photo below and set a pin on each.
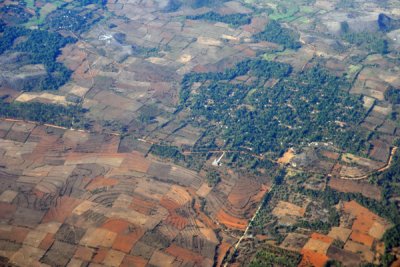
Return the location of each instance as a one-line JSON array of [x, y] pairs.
[[99, 206], [142, 205], [100, 182], [130, 261], [84, 253], [349, 186], [63, 209], [330, 154], [179, 195], [177, 221], [169, 204], [7, 210], [242, 192], [184, 255], [136, 162], [380, 150]]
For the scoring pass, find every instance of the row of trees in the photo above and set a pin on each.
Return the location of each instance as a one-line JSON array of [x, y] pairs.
[[174, 5], [235, 20], [66, 116]]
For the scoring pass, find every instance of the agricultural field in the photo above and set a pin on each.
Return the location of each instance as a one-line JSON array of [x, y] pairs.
[[72, 197], [199, 133]]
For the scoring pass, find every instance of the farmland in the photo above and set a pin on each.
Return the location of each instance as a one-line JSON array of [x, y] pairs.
[[199, 133]]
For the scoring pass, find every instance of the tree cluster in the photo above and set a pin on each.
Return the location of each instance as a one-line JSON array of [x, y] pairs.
[[275, 33]]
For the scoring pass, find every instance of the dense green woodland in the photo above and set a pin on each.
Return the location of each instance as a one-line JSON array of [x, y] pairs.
[[165, 151], [275, 33], [373, 42], [393, 95], [42, 47], [300, 108]]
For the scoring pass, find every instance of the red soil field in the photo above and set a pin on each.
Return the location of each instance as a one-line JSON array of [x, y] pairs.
[[203, 217], [116, 225], [173, 219], [184, 254], [169, 204], [242, 192], [83, 253], [135, 261], [177, 221], [127, 236], [396, 263], [7, 210], [64, 207], [365, 218], [100, 255], [230, 221], [125, 242], [17, 234], [322, 238], [100, 182], [362, 238], [143, 206], [311, 258], [47, 242], [222, 250]]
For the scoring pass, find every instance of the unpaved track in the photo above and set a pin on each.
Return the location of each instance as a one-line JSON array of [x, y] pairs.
[[247, 229]]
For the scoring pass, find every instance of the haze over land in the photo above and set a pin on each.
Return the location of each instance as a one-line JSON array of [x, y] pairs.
[[199, 133]]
